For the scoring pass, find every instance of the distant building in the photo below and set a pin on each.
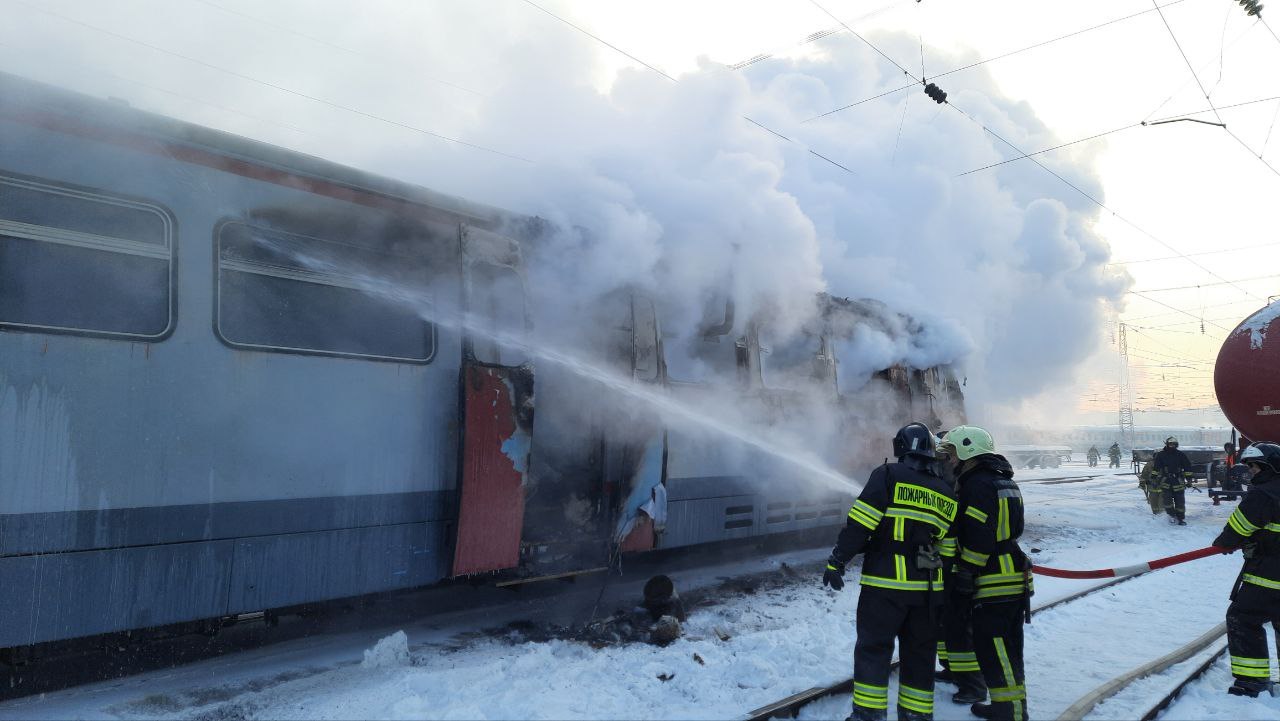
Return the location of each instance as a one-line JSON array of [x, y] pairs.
[[1079, 438]]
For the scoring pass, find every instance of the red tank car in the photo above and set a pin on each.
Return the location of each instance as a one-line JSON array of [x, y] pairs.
[[1247, 375]]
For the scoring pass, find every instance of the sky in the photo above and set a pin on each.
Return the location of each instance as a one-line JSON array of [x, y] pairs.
[[635, 109]]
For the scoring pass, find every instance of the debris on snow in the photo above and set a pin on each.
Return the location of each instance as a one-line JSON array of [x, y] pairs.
[[390, 652], [666, 630]]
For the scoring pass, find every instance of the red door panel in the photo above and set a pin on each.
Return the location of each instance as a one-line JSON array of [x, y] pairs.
[[491, 508]]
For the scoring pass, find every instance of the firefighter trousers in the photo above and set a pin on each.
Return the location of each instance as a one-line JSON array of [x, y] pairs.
[[1155, 496], [1175, 501], [883, 616], [997, 639], [955, 646], [1252, 607]]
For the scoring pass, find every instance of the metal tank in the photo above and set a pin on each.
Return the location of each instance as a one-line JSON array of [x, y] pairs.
[[1247, 375]]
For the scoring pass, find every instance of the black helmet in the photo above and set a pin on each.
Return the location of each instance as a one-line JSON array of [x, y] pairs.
[[1266, 455], [914, 439]]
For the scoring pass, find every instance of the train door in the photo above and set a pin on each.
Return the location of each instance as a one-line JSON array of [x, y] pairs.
[[497, 404], [635, 457]]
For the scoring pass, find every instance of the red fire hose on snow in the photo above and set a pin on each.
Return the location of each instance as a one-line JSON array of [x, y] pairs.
[[1134, 569]]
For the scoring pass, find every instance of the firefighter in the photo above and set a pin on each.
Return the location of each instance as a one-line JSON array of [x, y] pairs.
[[1093, 456], [1114, 454], [1151, 485], [1254, 527], [955, 637], [991, 571], [901, 521], [1173, 468]]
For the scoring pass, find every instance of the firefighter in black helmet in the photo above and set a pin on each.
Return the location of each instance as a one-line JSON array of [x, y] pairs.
[[1172, 467], [901, 521], [1254, 527]]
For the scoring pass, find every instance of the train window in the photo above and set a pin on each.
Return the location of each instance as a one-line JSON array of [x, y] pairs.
[[498, 323], [790, 362], [646, 339], [73, 260], [289, 292]]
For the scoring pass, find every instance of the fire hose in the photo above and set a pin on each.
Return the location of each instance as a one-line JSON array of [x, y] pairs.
[[1134, 569]]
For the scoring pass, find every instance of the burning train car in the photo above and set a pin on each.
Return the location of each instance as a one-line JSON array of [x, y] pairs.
[[235, 378]]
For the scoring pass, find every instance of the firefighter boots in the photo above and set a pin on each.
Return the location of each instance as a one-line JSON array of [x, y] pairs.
[[971, 689], [1249, 687]]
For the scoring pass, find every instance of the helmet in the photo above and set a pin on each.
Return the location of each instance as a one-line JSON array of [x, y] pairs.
[[914, 439], [1263, 454], [1171, 441], [969, 441]]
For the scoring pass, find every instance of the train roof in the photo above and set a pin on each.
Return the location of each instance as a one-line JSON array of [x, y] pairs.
[[34, 102]]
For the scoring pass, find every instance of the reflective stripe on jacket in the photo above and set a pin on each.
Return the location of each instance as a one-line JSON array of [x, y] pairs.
[[901, 512]]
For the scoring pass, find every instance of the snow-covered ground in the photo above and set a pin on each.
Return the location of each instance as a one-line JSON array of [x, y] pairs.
[[744, 651]]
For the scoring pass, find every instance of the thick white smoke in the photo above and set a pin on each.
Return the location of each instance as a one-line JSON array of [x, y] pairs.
[[663, 185]]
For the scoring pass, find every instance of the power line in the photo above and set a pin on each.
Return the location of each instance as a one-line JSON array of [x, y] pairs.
[[619, 50], [1185, 59], [1216, 305], [864, 40], [1092, 199], [1205, 285], [1178, 310], [322, 41], [811, 37], [1189, 255], [1116, 130], [1046, 150], [991, 59], [274, 86], [600, 40]]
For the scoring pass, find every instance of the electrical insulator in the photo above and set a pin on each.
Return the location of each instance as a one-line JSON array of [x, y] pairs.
[[935, 92], [1252, 7]]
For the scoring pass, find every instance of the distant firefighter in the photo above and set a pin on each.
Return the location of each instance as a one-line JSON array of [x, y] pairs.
[[1114, 454], [1173, 468], [1093, 456]]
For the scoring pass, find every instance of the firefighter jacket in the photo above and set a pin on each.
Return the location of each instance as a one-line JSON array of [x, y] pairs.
[[902, 522], [1147, 479], [1172, 465], [988, 527], [1255, 526]]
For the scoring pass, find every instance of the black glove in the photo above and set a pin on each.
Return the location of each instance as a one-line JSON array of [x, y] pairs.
[[834, 575], [962, 582]]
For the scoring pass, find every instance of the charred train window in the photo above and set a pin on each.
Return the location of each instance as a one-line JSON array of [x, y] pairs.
[[497, 323], [72, 260], [289, 292]]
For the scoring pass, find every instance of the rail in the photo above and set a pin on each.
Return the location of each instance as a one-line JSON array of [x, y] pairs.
[[1086, 703], [790, 706]]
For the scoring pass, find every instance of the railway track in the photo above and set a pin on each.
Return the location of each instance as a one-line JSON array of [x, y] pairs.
[[1089, 701], [790, 706]]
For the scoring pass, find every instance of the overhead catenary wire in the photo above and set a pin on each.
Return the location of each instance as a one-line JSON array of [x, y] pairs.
[[991, 59], [1205, 285], [1092, 199], [1096, 136], [291, 31], [754, 122], [1185, 58], [268, 84], [1037, 162], [1196, 254]]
